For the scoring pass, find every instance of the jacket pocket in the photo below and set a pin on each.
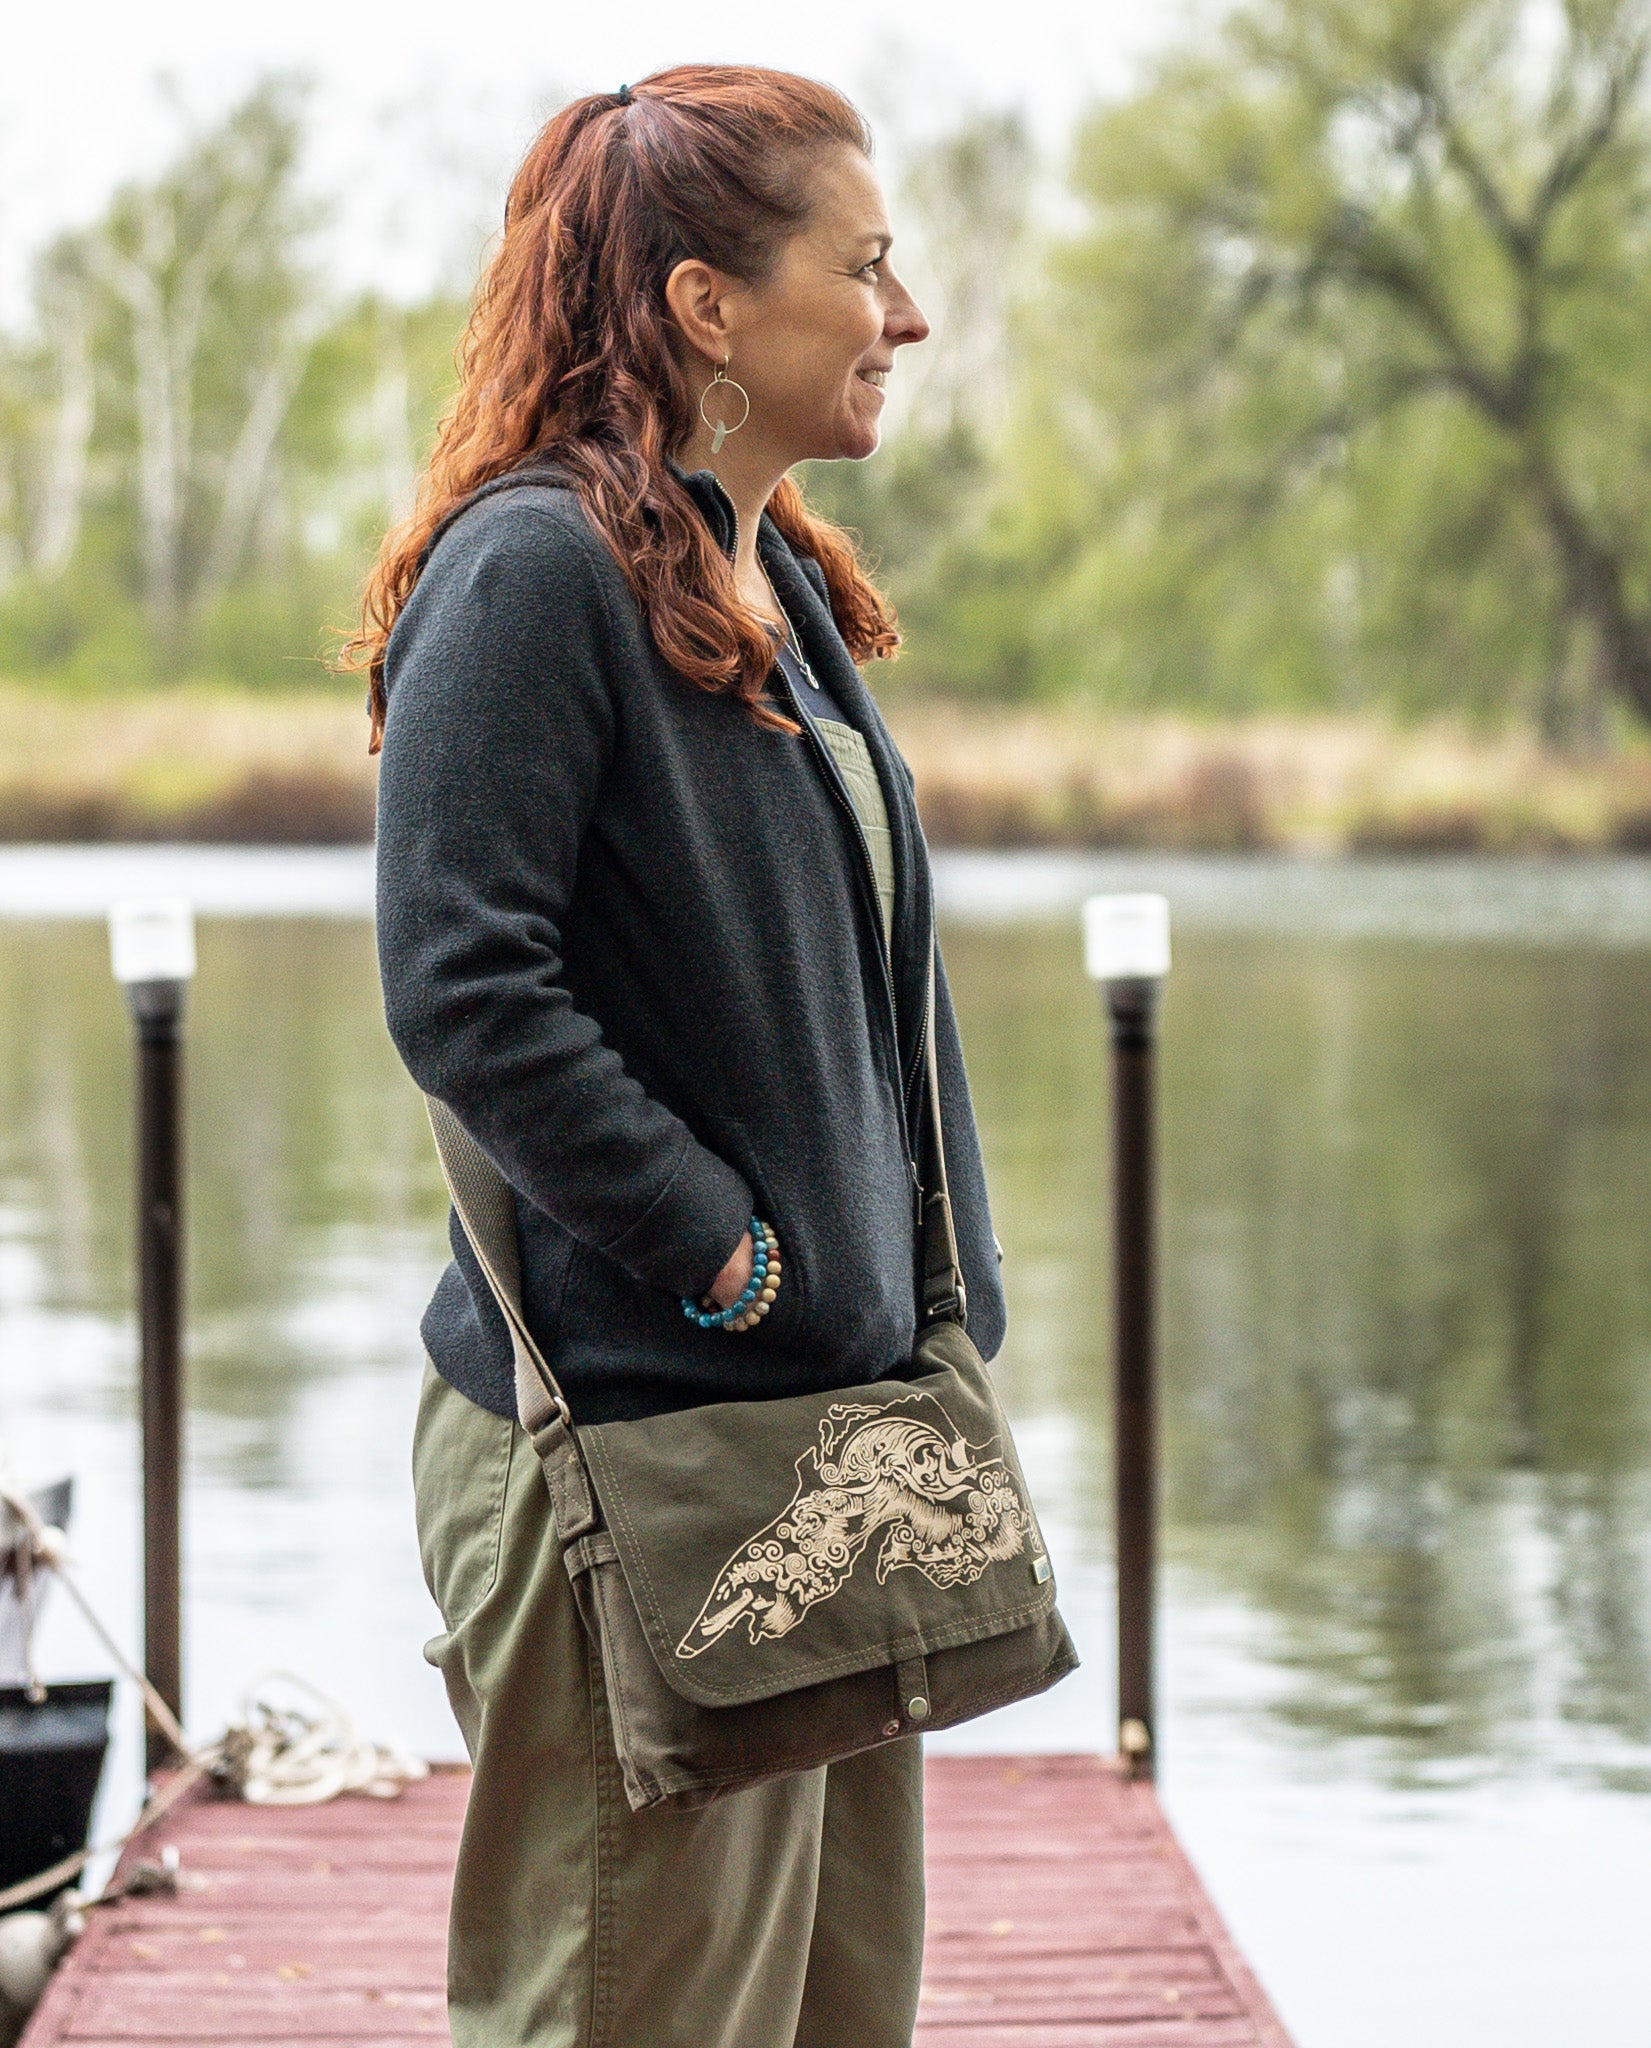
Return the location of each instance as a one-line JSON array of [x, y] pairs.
[[784, 1320]]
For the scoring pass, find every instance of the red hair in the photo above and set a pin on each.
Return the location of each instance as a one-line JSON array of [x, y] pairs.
[[569, 356]]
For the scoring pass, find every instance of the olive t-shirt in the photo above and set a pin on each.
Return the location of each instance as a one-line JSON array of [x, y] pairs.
[[854, 764]]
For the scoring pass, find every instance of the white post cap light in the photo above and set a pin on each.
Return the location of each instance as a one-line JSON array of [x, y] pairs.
[[152, 938], [1126, 938]]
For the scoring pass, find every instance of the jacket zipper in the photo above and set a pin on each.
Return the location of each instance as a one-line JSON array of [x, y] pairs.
[[834, 782]]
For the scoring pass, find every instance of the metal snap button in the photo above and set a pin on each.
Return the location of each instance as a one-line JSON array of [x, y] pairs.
[[917, 1709]]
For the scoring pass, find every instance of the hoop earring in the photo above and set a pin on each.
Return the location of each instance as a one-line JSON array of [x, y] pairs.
[[721, 429]]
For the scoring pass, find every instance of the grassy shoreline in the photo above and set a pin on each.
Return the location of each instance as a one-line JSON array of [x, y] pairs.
[[1073, 777], [200, 763], [187, 762]]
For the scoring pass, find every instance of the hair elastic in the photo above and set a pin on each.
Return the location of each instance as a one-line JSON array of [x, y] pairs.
[[625, 96]]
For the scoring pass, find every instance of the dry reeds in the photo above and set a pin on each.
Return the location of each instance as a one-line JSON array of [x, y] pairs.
[[190, 763], [1070, 777], [194, 763]]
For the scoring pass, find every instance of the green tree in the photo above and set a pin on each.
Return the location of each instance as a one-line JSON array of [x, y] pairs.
[[207, 318], [965, 244], [46, 413], [1340, 392], [200, 435]]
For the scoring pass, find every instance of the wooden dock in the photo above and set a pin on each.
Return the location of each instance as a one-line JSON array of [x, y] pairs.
[[1062, 1914]]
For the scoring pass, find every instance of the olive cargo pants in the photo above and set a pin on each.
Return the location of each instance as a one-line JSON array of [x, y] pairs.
[[786, 1916]]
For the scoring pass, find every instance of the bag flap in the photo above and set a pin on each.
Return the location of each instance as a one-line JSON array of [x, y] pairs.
[[770, 1545]]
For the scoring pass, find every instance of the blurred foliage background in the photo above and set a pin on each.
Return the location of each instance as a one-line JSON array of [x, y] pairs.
[[1315, 377], [202, 431]]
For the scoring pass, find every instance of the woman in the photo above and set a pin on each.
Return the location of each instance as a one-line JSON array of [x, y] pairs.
[[654, 922]]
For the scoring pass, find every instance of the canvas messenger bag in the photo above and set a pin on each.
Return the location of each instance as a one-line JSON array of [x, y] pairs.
[[775, 1585]]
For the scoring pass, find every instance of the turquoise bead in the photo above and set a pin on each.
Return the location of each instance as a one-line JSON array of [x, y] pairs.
[[720, 1319]]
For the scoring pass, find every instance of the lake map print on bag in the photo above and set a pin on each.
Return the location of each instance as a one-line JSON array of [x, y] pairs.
[[944, 1508]]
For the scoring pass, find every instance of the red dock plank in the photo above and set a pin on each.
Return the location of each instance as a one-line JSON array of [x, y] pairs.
[[1062, 1914]]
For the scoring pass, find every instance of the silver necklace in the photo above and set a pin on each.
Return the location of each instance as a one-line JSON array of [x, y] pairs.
[[793, 644], [798, 656]]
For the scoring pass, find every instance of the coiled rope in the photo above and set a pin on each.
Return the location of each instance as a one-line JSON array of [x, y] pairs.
[[273, 1754]]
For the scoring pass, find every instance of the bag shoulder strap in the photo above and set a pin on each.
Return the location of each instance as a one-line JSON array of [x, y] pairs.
[[487, 1210], [945, 1298]]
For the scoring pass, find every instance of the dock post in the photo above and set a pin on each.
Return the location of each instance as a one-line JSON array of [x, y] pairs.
[[152, 944], [1126, 951]]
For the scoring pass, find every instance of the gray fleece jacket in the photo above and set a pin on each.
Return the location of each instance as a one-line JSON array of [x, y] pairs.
[[631, 939]]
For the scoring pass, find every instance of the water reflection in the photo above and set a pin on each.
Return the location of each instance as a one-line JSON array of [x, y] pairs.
[[311, 1182], [1407, 1316], [1407, 1286]]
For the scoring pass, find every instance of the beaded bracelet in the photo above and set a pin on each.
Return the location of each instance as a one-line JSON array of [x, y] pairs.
[[760, 1290]]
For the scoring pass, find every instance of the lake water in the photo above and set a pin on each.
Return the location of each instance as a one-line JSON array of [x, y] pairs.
[[1407, 1324]]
